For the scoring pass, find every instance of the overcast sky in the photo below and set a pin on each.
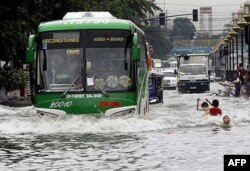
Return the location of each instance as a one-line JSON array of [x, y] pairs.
[[221, 10]]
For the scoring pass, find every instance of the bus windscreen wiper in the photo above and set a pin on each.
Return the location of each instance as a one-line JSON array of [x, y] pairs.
[[99, 87], [77, 78], [71, 85]]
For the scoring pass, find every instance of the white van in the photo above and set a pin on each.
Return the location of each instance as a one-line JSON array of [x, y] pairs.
[[170, 80]]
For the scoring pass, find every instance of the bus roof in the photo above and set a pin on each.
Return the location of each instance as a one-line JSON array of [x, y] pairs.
[[88, 14], [74, 22]]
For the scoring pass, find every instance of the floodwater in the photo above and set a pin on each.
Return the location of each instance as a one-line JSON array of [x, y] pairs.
[[173, 137]]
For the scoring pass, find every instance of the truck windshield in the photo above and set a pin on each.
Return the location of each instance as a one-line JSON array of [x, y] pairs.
[[169, 74], [192, 69]]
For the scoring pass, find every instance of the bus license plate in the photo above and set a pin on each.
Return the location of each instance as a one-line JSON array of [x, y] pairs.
[[192, 88]]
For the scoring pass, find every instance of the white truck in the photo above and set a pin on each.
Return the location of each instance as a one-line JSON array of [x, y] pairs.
[[193, 73]]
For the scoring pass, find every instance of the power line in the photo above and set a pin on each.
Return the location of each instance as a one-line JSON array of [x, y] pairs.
[[183, 32], [214, 18], [203, 5], [174, 11]]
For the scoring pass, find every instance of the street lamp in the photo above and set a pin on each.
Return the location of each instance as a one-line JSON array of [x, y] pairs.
[[241, 23], [222, 42], [247, 11], [247, 18], [226, 40], [227, 49], [216, 47], [233, 34], [230, 34], [223, 54], [236, 28], [229, 37], [231, 48]]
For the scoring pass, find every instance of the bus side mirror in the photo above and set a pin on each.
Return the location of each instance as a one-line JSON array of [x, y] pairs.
[[30, 51], [136, 48], [175, 72], [136, 53]]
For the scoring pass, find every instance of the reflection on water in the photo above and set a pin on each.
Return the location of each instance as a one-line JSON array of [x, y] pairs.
[[32, 150]]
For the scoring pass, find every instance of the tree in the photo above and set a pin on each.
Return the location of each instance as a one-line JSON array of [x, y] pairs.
[[20, 18], [14, 27], [159, 39], [183, 29], [125, 9]]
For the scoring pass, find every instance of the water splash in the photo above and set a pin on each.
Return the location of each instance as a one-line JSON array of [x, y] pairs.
[[177, 111]]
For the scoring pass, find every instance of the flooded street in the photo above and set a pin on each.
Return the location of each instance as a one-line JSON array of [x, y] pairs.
[[174, 136]]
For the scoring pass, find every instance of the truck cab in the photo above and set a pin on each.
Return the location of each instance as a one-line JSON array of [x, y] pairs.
[[193, 72]]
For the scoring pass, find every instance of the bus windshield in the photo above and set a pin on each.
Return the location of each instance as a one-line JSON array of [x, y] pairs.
[[108, 68], [87, 60], [62, 68]]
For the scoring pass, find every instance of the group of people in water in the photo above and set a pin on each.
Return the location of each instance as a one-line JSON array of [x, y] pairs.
[[212, 108], [241, 78]]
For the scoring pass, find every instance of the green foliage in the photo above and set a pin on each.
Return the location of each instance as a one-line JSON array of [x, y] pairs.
[[2, 80], [13, 79], [15, 26], [159, 39], [19, 78], [20, 18]]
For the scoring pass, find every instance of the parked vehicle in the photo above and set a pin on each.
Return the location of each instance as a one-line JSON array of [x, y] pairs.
[[155, 87], [170, 80]]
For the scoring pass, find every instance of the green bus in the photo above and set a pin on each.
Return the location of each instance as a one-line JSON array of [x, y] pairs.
[[88, 63]]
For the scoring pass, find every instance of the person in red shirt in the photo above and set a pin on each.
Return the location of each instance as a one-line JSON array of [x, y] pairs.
[[215, 110]]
